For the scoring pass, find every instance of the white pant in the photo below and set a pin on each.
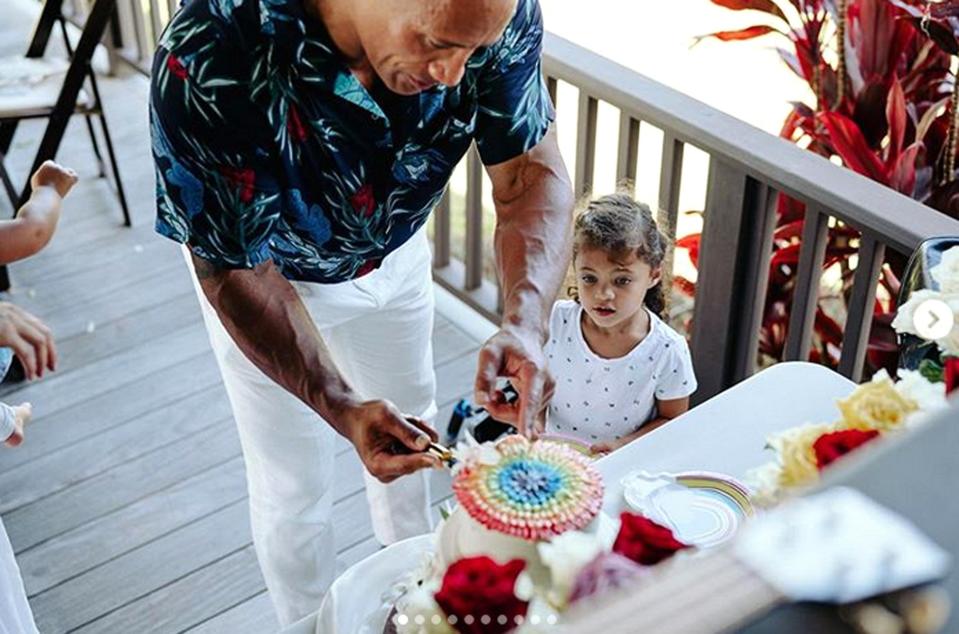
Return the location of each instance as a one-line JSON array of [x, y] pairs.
[[378, 329]]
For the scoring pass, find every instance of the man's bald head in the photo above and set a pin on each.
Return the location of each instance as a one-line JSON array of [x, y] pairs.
[[413, 45]]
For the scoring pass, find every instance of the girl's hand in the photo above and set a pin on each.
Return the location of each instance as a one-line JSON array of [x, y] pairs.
[[607, 446], [22, 414]]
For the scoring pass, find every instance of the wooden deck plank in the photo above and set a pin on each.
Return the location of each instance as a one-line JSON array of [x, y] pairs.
[[176, 607], [107, 537], [252, 616], [128, 331], [67, 292], [55, 514], [160, 287], [122, 582], [93, 416], [57, 471], [138, 573], [55, 392], [255, 614]]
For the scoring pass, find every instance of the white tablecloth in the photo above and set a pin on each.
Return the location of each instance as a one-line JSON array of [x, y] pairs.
[[725, 434]]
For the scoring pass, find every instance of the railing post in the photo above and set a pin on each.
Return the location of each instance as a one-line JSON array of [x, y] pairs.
[[670, 179], [855, 339], [585, 145], [552, 89], [802, 315], [441, 231], [627, 157], [733, 269]]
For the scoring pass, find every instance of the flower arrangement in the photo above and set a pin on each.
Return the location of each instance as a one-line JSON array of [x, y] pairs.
[[874, 409]]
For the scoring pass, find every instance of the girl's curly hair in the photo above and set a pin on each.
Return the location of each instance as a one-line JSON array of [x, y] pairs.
[[621, 227]]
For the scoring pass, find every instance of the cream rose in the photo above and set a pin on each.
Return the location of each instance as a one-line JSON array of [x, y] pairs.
[[796, 458], [876, 405]]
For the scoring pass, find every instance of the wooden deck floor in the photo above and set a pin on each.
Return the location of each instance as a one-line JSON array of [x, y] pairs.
[[126, 505]]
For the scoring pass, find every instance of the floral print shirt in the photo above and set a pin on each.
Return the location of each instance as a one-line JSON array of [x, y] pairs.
[[267, 147]]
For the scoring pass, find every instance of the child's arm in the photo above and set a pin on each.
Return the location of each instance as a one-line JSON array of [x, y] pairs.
[[37, 219], [667, 411]]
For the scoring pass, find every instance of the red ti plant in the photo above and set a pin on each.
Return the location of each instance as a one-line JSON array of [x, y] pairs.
[[881, 85]]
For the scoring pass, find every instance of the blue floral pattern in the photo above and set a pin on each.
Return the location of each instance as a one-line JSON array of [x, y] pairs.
[[267, 147]]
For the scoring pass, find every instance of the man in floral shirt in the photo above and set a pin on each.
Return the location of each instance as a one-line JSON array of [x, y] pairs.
[[300, 146]]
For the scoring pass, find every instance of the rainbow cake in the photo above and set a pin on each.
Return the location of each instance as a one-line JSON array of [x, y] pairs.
[[534, 491], [515, 495]]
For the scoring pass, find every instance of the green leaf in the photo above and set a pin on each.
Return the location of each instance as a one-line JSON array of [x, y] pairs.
[[931, 370]]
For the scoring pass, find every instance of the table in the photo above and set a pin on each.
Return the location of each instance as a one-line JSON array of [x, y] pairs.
[[725, 434]]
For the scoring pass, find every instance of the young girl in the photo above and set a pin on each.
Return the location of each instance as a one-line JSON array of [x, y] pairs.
[[620, 371]]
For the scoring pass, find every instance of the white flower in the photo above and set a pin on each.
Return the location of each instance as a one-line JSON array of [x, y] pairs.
[[524, 589], [565, 556], [928, 395], [763, 483], [946, 273], [905, 316], [469, 450]]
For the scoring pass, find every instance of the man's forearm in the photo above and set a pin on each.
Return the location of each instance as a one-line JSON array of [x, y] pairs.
[[532, 240], [266, 318]]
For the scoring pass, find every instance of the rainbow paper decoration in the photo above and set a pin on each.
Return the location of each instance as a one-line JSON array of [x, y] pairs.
[[535, 491]]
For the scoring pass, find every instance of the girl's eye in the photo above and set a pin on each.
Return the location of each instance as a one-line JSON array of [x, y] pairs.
[[623, 281], [588, 279]]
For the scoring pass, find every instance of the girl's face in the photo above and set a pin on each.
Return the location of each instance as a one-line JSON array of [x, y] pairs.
[[612, 290]]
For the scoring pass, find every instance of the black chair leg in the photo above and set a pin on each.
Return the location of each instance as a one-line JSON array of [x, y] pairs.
[[8, 183], [96, 146], [121, 194], [7, 128]]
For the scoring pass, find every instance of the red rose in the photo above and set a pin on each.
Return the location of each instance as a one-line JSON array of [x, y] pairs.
[[644, 541], [950, 373], [294, 125], [832, 446], [176, 67], [243, 179], [477, 587], [363, 201]]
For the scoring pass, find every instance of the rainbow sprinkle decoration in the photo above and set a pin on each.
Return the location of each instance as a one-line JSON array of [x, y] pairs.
[[536, 490]]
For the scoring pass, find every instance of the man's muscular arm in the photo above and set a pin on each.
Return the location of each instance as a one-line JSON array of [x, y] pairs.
[[264, 315]]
